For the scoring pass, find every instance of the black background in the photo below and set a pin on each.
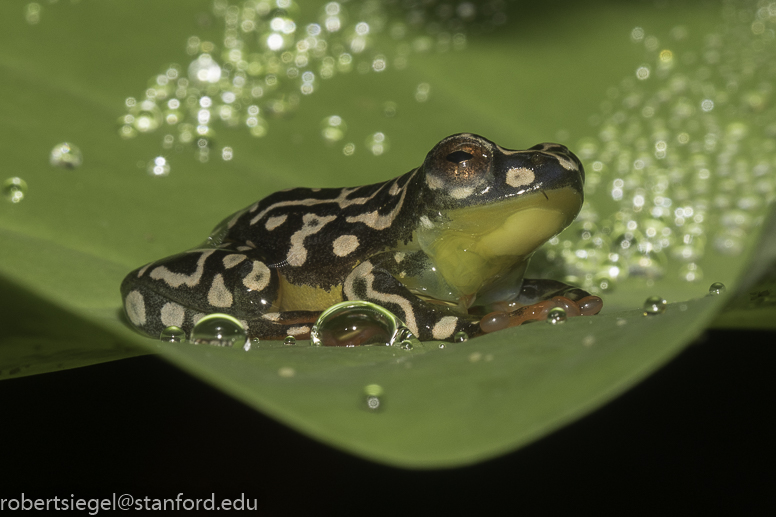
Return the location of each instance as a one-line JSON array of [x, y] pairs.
[[695, 437]]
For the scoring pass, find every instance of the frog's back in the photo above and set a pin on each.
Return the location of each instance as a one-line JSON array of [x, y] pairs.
[[304, 231]]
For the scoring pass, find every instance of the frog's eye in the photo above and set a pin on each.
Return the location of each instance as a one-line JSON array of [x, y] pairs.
[[459, 163], [459, 156]]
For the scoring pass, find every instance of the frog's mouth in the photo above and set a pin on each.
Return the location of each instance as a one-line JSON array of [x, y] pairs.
[[477, 245]]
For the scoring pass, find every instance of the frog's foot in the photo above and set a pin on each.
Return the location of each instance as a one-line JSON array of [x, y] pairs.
[[428, 321], [181, 289], [498, 320]]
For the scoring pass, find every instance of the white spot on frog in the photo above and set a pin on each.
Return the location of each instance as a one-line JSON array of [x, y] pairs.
[[520, 177], [172, 315], [219, 295], [398, 256], [274, 222], [135, 307], [296, 331], [312, 224], [444, 328], [345, 245], [232, 260], [258, 278], [461, 192], [425, 222], [177, 279]]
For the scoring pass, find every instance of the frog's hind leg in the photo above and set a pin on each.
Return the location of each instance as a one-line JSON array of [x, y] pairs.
[[372, 282], [181, 289], [535, 300]]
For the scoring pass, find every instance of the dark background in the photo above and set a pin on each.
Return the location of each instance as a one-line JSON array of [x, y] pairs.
[[696, 437]]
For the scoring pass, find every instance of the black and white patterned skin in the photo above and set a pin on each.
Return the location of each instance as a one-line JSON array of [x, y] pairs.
[[272, 262]]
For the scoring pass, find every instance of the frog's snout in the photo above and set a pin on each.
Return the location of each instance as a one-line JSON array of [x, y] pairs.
[[561, 155]]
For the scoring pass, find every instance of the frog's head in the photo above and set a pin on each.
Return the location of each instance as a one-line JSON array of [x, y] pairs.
[[487, 205], [467, 170]]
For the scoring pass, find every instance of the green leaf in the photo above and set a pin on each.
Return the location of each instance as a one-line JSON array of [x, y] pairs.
[[66, 247]]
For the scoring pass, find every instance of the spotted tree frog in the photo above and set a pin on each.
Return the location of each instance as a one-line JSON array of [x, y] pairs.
[[444, 247]]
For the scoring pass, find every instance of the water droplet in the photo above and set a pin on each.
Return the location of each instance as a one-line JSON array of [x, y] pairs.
[[654, 305], [286, 371], [204, 70], [14, 189], [389, 109], [358, 323], [372, 394], [717, 288], [460, 337], [32, 13], [422, 92], [333, 128], [66, 155], [377, 143], [441, 345], [248, 344], [290, 340], [406, 345], [158, 166], [218, 330], [173, 334], [556, 316]]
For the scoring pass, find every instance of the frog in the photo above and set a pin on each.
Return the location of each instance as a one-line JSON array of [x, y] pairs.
[[444, 247]]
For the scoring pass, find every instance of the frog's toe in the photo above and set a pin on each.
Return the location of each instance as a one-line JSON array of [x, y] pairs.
[[498, 320]]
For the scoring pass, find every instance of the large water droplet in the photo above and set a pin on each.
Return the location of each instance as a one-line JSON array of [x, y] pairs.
[[358, 323], [717, 288], [14, 189], [654, 305], [556, 316], [172, 334], [289, 340], [218, 330], [66, 155]]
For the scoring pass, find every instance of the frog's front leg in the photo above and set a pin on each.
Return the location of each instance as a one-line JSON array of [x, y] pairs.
[[179, 290], [373, 280]]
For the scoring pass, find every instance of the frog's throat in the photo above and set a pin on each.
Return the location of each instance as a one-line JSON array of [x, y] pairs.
[[478, 245]]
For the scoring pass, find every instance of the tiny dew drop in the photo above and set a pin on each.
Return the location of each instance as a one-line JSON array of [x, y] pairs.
[[159, 166], [654, 305], [172, 334], [14, 189], [717, 288], [406, 345], [556, 316], [290, 340], [372, 394], [460, 337], [377, 143], [333, 128], [218, 330], [358, 323], [66, 155], [441, 345]]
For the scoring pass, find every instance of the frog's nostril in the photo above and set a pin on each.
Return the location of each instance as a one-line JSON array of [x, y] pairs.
[[459, 156]]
